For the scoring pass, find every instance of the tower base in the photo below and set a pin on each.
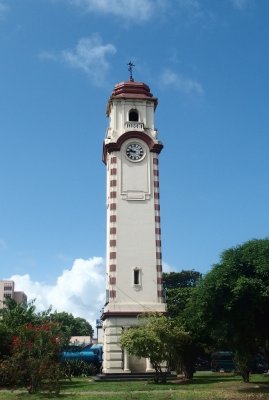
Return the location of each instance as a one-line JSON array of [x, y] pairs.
[[116, 360]]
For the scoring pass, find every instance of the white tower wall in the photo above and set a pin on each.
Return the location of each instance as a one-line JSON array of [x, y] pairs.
[[134, 265]]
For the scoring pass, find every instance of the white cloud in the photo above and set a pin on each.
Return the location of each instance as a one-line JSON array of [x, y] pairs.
[[89, 55], [3, 244], [241, 4], [47, 55], [180, 82], [168, 268], [192, 6], [3, 9], [135, 10], [79, 290]]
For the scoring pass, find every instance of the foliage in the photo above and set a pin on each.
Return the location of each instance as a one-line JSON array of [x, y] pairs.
[[77, 368], [183, 351], [30, 344], [5, 340], [159, 339], [176, 300], [34, 358], [14, 315], [178, 288], [182, 279], [231, 304], [72, 326]]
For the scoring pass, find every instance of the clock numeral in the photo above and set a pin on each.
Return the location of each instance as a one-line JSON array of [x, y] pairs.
[[134, 151]]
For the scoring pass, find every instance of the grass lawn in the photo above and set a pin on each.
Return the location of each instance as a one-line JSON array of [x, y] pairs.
[[205, 386]]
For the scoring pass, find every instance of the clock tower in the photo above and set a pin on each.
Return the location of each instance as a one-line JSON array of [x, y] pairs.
[[134, 259]]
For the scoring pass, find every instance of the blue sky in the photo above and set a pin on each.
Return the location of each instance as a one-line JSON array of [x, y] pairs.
[[206, 60]]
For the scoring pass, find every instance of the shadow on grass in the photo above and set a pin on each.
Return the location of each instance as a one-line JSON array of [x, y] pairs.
[[43, 396], [255, 388], [210, 379], [72, 384]]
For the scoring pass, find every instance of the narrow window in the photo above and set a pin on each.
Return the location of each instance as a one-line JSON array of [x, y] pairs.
[[107, 296], [133, 115], [136, 277]]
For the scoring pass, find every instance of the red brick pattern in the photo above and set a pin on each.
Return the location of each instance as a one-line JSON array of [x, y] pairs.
[[112, 215], [157, 228], [159, 268], [112, 210], [112, 280]]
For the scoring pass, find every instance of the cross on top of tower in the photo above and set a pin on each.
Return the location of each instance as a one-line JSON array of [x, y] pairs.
[[130, 69]]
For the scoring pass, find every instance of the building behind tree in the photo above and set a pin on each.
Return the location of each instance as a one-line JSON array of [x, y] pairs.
[[7, 290]]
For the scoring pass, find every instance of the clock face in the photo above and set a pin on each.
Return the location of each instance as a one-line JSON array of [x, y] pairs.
[[135, 152]]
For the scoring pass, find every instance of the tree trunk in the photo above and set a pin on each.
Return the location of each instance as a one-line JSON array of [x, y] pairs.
[[188, 365], [245, 376], [160, 376], [188, 372]]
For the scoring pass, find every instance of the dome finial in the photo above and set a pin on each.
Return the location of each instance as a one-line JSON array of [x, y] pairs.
[[130, 69]]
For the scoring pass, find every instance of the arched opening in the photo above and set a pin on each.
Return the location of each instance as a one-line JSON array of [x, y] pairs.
[[133, 115]]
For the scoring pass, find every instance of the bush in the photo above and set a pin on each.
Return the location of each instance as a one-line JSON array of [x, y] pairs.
[[34, 359], [74, 368]]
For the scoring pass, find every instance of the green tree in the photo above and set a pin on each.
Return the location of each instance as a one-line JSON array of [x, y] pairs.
[[158, 339], [72, 326], [182, 279], [14, 315], [82, 327], [5, 341], [34, 358], [231, 303], [148, 341], [30, 343], [178, 288]]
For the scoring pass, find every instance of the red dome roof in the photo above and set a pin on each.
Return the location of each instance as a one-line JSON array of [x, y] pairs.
[[132, 90]]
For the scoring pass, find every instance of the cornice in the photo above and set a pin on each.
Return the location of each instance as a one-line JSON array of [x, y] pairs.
[[125, 314], [116, 146], [131, 90], [120, 314]]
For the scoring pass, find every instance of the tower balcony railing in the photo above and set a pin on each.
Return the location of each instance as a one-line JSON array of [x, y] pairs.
[[134, 125]]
